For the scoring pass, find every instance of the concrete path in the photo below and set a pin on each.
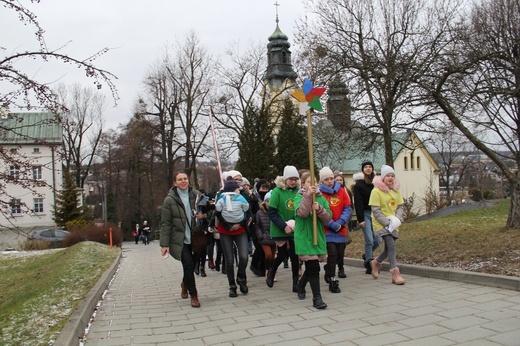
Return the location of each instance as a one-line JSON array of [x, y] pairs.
[[143, 307]]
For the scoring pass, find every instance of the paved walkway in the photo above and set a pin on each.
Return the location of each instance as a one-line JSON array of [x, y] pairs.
[[143, 307]]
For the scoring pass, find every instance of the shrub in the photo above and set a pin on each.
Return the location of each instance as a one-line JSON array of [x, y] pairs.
[[29, 245], [95, 233]]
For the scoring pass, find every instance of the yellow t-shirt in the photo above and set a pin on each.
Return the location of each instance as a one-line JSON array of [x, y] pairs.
[[387, 201]]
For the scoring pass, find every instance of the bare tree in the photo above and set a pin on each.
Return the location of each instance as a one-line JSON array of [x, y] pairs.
[[452, 148], [177, 100], [377, 47], [20, 90], [477, 86], [82, 128]]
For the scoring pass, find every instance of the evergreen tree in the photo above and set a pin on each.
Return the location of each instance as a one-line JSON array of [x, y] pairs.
[[292, 145], [66, 208], [256, 146]]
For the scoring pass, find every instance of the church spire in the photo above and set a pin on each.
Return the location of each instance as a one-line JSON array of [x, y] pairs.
[[279, 66]]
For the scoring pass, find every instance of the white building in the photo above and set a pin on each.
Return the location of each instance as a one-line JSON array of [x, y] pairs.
[[31, 169]]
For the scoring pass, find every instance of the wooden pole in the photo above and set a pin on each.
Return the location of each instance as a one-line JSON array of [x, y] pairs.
[[215, 147], [311, 169]]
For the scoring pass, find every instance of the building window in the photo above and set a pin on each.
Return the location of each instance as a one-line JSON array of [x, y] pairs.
[[14, 172], [16, 207], [36, 150], [406, 163], [37, 172], [411, 160], [38, 205], [284, 57], [418, 162]]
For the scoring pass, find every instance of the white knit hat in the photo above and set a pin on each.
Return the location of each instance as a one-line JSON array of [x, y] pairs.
[[290, 172], [325, 173], [232, 174], [386, 170]]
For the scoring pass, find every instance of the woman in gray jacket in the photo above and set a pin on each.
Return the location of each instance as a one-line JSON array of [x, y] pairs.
[[180, 231]]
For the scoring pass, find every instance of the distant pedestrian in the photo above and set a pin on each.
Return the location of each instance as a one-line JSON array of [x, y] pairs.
[[147, 232], [387, 214], [136, 233]]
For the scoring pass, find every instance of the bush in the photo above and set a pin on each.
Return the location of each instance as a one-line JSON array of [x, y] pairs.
[[29, 245], [95, 233]]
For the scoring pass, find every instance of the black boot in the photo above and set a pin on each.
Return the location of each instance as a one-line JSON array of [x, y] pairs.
[[202, 271], [334, 285], [295, 284], [317, 302], [366, 264], [242, 282], [341, 273], [270, 278], [233, 291], [301, 286]]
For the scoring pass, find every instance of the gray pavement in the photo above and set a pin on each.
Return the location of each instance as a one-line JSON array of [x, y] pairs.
[[142, 306]]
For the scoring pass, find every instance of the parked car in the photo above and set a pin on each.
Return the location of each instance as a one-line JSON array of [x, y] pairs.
[[53, 235]]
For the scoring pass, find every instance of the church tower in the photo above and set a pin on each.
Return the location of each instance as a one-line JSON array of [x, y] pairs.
[[279, 66], [339, 108]]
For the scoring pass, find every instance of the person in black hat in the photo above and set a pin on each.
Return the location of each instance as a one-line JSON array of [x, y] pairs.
[[362, 190]]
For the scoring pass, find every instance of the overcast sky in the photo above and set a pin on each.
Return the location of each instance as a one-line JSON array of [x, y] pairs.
[[136, 31]]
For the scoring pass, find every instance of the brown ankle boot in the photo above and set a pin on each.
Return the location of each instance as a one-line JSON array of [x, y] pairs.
[[195, 301], [396, 277], [376, 266], [184, 291]]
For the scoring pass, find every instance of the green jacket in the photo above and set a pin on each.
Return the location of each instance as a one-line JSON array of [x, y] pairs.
[[173, 221], [303, 229]]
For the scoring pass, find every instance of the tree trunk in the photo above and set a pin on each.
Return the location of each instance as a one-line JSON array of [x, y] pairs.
[[513, 220]]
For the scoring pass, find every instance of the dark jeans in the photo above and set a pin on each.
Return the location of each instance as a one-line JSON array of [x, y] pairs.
[[188, 267], [241, 241]]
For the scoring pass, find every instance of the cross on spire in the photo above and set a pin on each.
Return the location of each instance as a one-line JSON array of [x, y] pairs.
[[276, 4]]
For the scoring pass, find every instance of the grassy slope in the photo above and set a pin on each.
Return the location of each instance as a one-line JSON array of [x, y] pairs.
[[470, 240], [40, 292]]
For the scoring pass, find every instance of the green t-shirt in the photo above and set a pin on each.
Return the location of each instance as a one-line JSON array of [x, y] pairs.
[[283, 201]]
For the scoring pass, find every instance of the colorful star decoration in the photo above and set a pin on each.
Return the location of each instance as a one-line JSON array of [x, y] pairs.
[[309, 96]]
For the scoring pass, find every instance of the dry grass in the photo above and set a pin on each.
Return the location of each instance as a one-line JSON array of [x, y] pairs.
[[40, 289], [474, 240]]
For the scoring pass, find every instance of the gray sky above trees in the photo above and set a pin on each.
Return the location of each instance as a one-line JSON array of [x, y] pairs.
[[136, 32]]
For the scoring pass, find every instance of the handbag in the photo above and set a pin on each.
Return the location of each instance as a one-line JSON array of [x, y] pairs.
[[198, 241]]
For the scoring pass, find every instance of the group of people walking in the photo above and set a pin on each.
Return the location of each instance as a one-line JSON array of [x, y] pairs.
[[301, 219]]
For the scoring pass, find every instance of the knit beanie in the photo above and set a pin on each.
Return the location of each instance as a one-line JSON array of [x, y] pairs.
[[267, 195], [325, 173], [230, 185], [233, 174], [365, 163], [290, 172], [386, 170], [245, 182]]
